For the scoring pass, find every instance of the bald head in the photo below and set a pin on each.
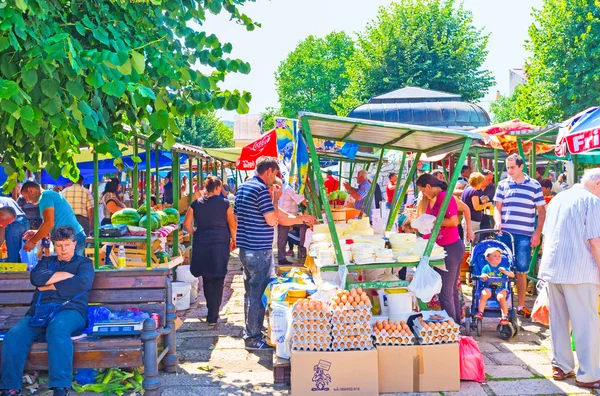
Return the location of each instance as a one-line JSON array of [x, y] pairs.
[[362, 176]]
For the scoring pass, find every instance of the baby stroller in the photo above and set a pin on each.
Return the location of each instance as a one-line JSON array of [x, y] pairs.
[[492, 308]]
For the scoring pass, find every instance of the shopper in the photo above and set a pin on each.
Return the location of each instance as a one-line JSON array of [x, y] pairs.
[[463, 179], [517, 199], [256, 213], [15, 224], [56, 212], [331, 184], [288, 203], [570, 266], [168, 190], [471, 196], [110, 200], [562, 181], [214, 239], [487, 195], [390, 188], [434, 192], [82, 203], [65, 278]]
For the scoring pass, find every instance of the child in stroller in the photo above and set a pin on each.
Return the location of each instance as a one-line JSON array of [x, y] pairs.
[[492, 270]]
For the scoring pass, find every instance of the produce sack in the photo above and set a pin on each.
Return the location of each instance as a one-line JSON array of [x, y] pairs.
[[472, 367], [541, 308], [426, 283]]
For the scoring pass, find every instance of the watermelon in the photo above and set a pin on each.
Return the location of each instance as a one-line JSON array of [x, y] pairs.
[[163, 257], [126, 216], [154, 222], [142, 210], [172, 215], [163, 217]]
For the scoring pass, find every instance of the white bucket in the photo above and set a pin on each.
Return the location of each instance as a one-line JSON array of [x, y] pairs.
[[399, 303], [194, 291], [181, 295], [184, 274]]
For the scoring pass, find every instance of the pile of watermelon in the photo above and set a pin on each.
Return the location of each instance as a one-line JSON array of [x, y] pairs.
[[338, 198], [158, 218]]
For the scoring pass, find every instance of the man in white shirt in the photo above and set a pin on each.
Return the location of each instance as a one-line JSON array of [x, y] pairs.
[[288, 203], [571, 266]]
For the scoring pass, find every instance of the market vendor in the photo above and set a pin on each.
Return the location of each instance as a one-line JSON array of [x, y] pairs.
[[62, 279], [434, 192], [360, 193], [15, 224], [288, 213], [56, 212]]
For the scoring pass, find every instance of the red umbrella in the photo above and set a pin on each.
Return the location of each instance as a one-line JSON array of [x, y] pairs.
[[507, 127], [266, 145]]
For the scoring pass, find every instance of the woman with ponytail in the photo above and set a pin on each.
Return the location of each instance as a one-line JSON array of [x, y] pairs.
[[434, 192], [214, 238]]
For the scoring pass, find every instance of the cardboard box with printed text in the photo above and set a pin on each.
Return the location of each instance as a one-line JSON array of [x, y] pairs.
[[340, 373], [419, 368]]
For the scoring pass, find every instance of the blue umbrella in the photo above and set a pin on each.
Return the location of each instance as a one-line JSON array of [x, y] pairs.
[[580, 133]]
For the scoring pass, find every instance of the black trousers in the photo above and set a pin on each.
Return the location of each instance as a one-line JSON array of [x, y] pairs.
[[213, 293]]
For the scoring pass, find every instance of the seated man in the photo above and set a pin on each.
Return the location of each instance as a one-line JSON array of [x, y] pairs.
[[63, 279]]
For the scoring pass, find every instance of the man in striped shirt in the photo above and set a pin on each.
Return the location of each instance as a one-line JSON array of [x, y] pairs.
[[360, 194], [570, 264], [256, 214], [517, 199]]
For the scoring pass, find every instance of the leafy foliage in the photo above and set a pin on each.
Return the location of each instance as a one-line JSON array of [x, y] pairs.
[[564, 68], [268, 117], [314, 74], [205, 131], [73, 72], [426, 43]]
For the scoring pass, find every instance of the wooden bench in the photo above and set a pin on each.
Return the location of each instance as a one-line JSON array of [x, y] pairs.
[[149, 291]]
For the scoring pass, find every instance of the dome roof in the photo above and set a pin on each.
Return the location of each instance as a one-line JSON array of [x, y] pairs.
[[417, 106]]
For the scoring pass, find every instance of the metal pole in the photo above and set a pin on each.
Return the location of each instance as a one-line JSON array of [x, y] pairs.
[[390, 222], [156, 182], [409, 176], [340, 176], [148, 209], [223, 173], [533, 158], [478, 160], [176, 192], [134, 176], [522, 154], [369, 198], [191, 189], [446, 202], [496, 168], [444, 171], [323, 193], [96, 214], [199, 173]]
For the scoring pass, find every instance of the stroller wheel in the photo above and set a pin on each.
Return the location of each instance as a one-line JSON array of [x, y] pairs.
[[479, 326], [515, 322], [468, 325], [506, 332]]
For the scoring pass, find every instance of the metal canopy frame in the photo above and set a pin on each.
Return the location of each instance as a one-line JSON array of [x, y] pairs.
[[384, 135]]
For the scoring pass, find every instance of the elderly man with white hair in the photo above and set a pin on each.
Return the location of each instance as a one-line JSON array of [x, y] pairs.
[[571, 266], [360, 193]]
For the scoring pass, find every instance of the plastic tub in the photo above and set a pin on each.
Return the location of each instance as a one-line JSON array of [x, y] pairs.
[[399, 301], [181, 295], [193, 291], [184, 274]]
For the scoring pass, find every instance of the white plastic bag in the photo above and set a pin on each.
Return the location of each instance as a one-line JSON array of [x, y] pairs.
[[340, 278], [426, 283], [424, 223], [280, 320], [30, 258]]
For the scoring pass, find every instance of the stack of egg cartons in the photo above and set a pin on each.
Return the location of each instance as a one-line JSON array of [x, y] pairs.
[[436, 332], [392, 333], [311, 326], [351, 321]]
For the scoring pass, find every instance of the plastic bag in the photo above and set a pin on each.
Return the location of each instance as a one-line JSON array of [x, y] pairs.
[[541, 308], [280, 320], [472, 367], [426, 283], [30, 258], [424, 224]]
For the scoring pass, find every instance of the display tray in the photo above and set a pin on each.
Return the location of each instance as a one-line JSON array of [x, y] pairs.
[[351, 267]]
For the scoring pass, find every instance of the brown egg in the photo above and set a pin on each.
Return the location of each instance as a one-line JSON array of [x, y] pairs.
[[344, 299], [354, 305], [346, 293], [350, 299]]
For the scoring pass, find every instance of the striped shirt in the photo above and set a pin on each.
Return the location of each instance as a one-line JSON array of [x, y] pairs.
[[79, 198], [519, 203], [252, 203], [363, 190], [572, 219]]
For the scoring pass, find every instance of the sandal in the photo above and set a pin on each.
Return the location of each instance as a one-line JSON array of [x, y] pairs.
[[504, 321], [478, 315], [592, 385], [559, 375]]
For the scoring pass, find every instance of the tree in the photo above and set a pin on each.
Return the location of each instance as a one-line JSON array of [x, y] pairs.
[[205, 131], [564, 66], [426, 43], [73, 72], [314, 74], [268, 117]]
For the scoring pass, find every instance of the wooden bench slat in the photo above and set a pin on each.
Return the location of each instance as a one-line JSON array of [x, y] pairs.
[[127, 296], [135, 282]]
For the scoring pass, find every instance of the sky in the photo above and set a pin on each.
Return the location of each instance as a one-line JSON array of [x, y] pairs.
[[287, 22]]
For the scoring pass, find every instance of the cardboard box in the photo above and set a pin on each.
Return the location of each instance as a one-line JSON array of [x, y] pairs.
[[419, 368], [339, 373]]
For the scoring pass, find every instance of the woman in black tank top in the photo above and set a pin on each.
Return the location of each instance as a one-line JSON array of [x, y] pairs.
[[214, 238]]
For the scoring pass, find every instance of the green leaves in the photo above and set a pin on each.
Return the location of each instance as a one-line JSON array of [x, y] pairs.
[[101, 35], [8, 89], [30, 78], [114, 88], [50, 87], [138, 61], [75, 88], [159, 120], [27, 113]]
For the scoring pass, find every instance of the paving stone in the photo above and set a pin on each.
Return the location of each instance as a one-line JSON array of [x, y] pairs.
[[487, 360], [247, 379], [188, 378], [487, 347], [194, 355], [200, 342], [535, 387], [523, 358], [468, 388], [230, 343], [541, 370], [520, 346], [500, 371]]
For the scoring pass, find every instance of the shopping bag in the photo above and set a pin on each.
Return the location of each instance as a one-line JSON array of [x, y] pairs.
[[541, 308], [426, 283], [30, 258], [472, 367]]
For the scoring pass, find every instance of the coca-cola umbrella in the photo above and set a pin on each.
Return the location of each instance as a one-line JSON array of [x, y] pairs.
[[266, 145], [580, 133]]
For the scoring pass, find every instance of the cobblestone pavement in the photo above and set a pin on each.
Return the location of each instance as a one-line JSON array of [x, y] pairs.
[[213, 361]]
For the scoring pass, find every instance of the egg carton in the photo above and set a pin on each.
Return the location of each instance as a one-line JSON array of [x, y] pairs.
[[313, 338], [395, 333], [311, 347], [353, 317], [431, 340], [360, 337], [434, 330], [339, 346], [311, 315], [311, 325], [349, 307], [352, 330], [388, 340]]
